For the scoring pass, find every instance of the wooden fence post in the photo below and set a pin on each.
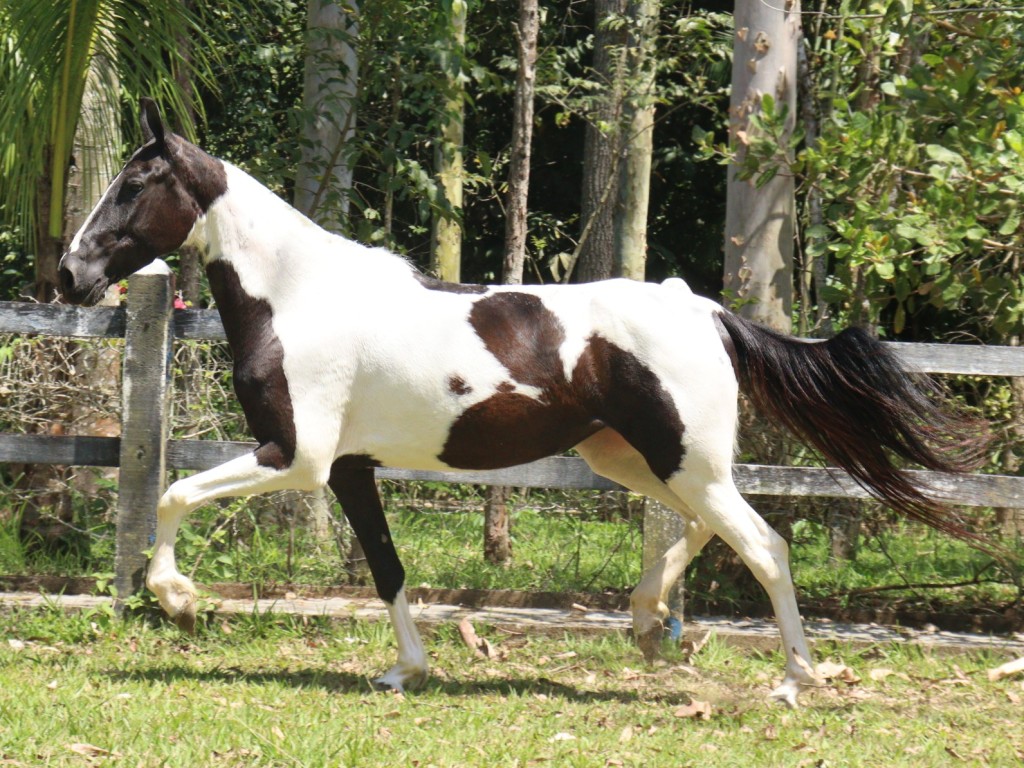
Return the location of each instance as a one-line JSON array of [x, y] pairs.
[[148, 347]]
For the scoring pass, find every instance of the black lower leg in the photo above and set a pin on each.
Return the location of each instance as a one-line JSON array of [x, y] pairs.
[[354, 485]]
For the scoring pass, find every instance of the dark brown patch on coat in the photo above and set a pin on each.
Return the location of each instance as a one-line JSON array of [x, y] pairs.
[[203, 175], [627, 396], [458, 386], [259, 377], [433, 284], [609, 387], [522, 334], [510, 428]]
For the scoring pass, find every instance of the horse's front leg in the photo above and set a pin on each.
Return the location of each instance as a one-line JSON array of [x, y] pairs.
[[243, 476], [353, 482]]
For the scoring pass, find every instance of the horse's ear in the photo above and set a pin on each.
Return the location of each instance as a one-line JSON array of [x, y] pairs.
[[150, 121]]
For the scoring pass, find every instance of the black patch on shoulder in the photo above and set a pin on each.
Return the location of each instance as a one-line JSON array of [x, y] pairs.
[[259, 378], [433, 284]]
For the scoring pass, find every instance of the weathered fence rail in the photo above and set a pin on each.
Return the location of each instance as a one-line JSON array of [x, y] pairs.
[[149, 326]]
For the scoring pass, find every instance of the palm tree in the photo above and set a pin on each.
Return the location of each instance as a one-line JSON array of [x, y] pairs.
[[46, 51]]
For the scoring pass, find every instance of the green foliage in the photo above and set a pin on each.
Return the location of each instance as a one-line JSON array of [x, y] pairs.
[[921, 179], [45, 53]]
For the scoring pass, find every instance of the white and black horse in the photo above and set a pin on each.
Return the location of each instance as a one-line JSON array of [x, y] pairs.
[[346, 358]]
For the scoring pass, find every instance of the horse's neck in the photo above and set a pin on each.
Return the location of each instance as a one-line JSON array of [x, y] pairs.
[[260, 235]]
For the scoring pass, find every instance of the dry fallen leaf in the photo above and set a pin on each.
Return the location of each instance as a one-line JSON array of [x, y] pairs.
[[833, 670], [480, 646], [691, 648], [696, 709], [16, 645], [562, 737], [90, 750], [626, 735]]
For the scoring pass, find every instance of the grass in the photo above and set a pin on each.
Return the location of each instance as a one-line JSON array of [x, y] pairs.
[[81, 689]]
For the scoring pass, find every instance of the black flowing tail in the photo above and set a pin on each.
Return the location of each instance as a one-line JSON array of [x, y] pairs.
[[849, 398]]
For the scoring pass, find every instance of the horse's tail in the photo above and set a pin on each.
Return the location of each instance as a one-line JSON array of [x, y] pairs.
[[849, 398]]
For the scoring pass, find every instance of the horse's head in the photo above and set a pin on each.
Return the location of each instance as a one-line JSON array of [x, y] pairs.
[[147, 211]]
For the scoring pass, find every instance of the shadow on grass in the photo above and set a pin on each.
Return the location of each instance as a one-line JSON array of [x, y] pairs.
[[349, 683]]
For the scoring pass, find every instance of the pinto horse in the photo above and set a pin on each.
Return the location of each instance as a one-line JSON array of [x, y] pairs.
[[347, 358]]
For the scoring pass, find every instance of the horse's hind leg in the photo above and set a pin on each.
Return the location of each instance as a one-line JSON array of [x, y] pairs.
[[609, 455], [357, 491], [713, 497]]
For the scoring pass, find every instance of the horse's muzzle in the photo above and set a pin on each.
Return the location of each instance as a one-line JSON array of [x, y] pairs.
[[75, 290]]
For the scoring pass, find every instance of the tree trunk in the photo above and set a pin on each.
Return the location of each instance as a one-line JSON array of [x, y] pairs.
[[634, 184], [602, 142], [497, 541], [447, 256], [323, 178], [759, 232], [759, 221], [516, 208], [190, 263], [48, 247]]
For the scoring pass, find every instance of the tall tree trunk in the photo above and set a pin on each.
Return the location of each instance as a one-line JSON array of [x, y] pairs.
[[516, 208], [634, 184], [602, 142], [190, 269], [48, 247], [447, 242], [759, 221], [759, 234], [497, 541], [323, 178]]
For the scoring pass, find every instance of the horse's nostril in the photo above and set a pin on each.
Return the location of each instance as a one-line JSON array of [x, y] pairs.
[[66, 280]]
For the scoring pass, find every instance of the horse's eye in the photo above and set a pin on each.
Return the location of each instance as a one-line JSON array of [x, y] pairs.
[[133, 189]]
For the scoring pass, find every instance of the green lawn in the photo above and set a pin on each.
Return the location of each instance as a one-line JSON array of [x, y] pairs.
[[82, 690]]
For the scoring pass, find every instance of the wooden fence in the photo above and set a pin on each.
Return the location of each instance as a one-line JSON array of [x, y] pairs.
[[149, 325]]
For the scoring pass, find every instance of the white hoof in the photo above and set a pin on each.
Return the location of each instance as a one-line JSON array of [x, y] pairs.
[[401, 677], [178, 597], [786, 694]]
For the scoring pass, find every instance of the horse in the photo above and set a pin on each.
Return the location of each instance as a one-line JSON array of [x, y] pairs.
[[348, 358]]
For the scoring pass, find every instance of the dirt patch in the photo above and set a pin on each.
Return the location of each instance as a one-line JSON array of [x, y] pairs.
[[992, 619]]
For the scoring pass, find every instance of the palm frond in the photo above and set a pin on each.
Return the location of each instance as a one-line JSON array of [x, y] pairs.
[[46, 49]]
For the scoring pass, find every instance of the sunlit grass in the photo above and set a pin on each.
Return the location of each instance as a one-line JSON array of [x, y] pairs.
[[82, 689]]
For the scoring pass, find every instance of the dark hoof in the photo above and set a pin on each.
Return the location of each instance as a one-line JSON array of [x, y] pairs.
[[649, 643], [186, 620]]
